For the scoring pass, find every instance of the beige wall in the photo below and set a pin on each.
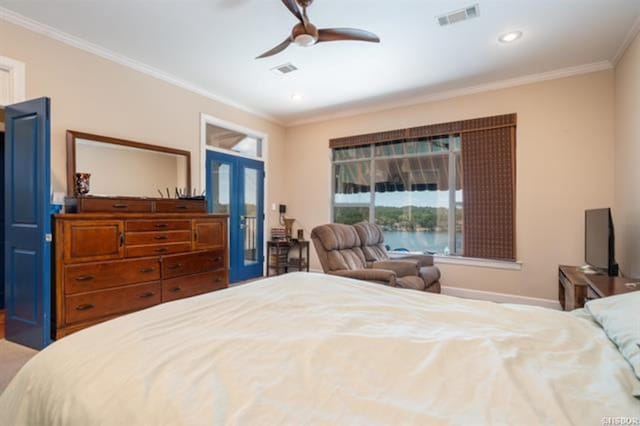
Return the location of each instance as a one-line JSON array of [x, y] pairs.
[[98, 96], [627, 176], [565, 164]]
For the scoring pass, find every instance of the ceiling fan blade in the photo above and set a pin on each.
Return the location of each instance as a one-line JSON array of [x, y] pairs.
[[340, 34], [293, 8], [279, 48]]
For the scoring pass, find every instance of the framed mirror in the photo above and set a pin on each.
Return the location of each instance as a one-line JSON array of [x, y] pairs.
[[123, 168]]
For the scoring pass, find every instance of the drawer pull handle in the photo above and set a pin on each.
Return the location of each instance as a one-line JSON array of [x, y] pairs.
[[161, 237], [85, 307], [83, 278], [182, 207], [121, 239], [175, 266], [147, 295], [217, 259], [162, 225], [218, 280], [161, 250], [120, 206], [175, 289], [146, 270]]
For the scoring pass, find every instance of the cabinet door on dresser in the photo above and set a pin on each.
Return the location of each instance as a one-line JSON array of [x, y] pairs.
[[209, 234], [86, 241]]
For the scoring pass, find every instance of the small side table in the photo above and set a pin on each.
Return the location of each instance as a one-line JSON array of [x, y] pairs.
[[575, 288], [287, 256]]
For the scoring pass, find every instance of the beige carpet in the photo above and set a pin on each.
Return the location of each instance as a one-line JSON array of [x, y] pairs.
[[12, 358]]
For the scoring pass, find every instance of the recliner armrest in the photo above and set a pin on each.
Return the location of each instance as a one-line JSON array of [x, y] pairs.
[[380, 275], [402, 267], [422, 259]]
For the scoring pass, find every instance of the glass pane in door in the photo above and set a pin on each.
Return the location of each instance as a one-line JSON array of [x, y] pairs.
[[249, 219], [221, 174]]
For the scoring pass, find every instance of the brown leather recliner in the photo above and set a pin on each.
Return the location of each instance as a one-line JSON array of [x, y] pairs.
[[376, 255], [340, 252]]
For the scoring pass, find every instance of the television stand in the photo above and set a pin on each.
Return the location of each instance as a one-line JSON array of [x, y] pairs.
[[575, 287]]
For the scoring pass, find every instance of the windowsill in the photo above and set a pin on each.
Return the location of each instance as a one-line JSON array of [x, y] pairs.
[[470, 261], [480, 263]]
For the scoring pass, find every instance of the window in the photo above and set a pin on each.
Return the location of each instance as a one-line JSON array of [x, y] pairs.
[[446, 188], [236, 142], [411, 188]]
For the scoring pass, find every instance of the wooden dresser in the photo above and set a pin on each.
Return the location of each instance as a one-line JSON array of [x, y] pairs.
[[109, 264]]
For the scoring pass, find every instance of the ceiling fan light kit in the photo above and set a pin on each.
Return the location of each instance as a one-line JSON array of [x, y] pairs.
[[305, 34]]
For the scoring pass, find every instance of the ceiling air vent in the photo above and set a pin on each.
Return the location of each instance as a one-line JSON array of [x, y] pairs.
[[284, 69], [459, 15]]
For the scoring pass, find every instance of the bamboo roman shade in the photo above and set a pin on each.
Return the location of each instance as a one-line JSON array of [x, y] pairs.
[[488, 178], [454, 127], [488, 165]]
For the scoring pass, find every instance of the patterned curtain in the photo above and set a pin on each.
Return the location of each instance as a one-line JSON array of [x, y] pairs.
[[488, 164]]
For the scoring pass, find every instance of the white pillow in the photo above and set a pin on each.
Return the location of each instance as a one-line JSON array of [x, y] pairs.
[[619, 316]]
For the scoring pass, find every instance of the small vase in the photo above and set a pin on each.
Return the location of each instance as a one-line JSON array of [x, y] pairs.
[[83, 183]]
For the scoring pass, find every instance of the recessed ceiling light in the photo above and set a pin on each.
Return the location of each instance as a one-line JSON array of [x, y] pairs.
[[510, 36], [296, 97]]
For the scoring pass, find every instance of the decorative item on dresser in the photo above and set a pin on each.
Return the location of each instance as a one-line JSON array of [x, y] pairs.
[[575, 288], [109, 264]]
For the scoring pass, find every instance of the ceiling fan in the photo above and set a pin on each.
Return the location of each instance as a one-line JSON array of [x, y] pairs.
[[305, 34]]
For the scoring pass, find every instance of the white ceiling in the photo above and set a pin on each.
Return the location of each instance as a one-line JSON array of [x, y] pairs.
[[211, 44]]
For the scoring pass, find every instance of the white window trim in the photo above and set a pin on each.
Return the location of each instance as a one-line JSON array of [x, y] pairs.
[[17, 76], [467, 261], [264, 137], [480, 263]]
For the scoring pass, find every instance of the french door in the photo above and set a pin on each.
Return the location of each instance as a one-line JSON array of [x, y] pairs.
[[235, 186]]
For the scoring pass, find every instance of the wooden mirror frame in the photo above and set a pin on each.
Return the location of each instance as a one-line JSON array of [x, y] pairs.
[[72, 135]]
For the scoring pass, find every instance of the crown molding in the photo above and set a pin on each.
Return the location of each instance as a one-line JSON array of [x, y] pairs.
[[79, 43], [631, 35], [455, 93]]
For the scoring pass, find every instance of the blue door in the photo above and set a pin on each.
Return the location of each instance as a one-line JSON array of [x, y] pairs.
[[27, 224], [235, 186]]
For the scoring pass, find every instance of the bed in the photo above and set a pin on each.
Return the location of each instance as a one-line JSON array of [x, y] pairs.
[[314, 349]]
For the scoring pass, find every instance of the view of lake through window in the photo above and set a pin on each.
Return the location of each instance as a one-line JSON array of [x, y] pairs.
[[411, 188]]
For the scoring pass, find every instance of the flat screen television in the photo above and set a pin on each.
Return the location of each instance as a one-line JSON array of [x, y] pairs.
[[599, 241]]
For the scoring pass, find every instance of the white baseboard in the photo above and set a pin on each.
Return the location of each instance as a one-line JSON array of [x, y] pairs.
[[490, 296]]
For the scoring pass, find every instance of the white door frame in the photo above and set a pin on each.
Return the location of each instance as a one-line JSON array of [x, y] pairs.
[[264, 137], [17, 80]]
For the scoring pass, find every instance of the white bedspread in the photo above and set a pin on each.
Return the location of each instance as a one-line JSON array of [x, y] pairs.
[[311, 349]]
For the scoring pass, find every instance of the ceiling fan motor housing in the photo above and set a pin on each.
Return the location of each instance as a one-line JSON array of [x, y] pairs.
[[304, 37]]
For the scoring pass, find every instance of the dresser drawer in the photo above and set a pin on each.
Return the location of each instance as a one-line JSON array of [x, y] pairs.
[[89, 306], [178, 288], [98, 276], [139, 238], [181, 206], [86, 241], [102, 205], [156, 250], [157, 225], [193, 263]]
